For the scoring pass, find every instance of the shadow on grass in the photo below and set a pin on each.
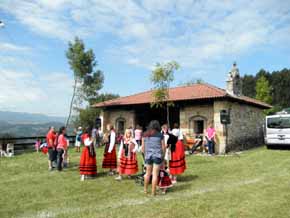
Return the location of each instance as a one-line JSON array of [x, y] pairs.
[[279, 147], [179, 188], [187, 178]]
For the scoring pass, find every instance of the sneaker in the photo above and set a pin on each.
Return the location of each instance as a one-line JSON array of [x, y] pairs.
[[111, 173], [82, 177], [119, 178]]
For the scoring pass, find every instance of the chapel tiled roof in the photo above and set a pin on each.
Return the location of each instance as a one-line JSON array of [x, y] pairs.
[[191, 92]]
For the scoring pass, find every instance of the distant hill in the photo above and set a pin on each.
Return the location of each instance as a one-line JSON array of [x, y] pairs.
[[25, 124], [23, 118]]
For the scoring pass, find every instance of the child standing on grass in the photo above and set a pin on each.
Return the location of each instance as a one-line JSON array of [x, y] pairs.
[[128, 164], [37, 145], [164, 181]]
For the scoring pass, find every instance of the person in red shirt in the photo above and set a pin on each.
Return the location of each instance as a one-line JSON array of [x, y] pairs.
[[50, 141], [61, 147]]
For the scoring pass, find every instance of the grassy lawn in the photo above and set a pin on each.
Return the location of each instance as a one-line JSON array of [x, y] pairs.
[[254, 184]]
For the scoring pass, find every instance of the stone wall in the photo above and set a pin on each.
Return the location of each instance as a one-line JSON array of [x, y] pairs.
[[220, 146], [195, 111], [111, 116], [245, 130]]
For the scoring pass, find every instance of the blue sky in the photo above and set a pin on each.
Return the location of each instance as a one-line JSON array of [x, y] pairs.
[[128, 38]]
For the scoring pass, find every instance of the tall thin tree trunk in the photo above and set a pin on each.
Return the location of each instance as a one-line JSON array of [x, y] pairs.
[[71, 103], [167, 114]]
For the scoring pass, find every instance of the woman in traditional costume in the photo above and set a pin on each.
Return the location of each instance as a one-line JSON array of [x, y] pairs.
[[128, 164], [177, 163], [110, 157], [88, 162]]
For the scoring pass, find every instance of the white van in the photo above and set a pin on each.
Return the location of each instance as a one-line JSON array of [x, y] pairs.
[[277, 130]]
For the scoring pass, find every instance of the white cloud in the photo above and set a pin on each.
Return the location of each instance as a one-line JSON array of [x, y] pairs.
[[197, 34], [4, 46], [24, 91]]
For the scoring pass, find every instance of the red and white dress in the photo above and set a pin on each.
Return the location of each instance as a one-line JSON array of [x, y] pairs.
[[177, 163], [164, 180], [88, 162], [127, 156], [110, 157]]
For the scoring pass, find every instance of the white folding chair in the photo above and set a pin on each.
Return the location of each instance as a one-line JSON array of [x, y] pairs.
[[10, 150], [2, 152]]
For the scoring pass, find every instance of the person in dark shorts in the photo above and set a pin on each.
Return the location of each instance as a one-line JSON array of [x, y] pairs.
[[153, 147], [50, 141]]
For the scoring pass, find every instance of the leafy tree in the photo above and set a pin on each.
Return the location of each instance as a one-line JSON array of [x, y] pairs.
[[87, 80], [249, 85], [103, 97], [280, 83], [192, 82], [263, 90], [161, 77], [87, 116]]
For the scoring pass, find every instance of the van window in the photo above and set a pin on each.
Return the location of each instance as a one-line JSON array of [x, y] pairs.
[[278, 122]]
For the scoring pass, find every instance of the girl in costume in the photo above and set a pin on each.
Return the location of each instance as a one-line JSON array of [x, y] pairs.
[[110, 158], [164, 181], [88, 162], [177, 163], [128, 164]]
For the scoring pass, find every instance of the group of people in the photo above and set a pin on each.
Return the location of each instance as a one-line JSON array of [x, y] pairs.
[[162, 151], [57, 147]]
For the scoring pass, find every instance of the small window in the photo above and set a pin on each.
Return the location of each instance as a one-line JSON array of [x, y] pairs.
[[198, 126], [120, 125]]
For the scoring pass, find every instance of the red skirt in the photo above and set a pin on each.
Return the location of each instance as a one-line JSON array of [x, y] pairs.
[[177, 163], [110, 159], [88, 163], [164, 180], [128, 165]]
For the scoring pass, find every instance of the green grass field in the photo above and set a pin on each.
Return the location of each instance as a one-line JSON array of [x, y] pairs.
[[253, 184]]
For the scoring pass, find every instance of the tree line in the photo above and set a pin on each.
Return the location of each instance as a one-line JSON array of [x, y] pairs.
[[270, 87]]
